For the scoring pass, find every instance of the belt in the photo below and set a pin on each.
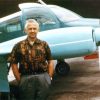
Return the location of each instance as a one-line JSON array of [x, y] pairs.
[[33, 73]]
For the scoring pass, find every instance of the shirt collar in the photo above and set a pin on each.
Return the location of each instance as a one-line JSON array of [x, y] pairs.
[[35, 42]]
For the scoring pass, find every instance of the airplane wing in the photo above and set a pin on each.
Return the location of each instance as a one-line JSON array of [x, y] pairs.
[[61, 42]]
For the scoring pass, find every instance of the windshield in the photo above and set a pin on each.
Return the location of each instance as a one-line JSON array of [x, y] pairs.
[[44, 17], [63, 14]]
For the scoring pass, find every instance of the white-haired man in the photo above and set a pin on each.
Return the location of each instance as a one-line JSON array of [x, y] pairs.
[[36, 66]]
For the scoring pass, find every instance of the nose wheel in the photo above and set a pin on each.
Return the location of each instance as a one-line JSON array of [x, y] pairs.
[[62, 68]]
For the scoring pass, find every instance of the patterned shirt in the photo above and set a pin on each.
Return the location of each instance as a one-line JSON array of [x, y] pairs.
[[31, 58]]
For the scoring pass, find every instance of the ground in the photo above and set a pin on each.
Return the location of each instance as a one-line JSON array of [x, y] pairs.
[[82, 83]]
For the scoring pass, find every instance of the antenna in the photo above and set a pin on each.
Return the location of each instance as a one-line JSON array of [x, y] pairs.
[[40, 1]]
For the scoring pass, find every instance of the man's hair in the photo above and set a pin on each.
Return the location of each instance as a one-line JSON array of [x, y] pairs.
[[31, 21]]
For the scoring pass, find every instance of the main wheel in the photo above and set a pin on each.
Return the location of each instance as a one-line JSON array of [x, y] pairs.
[[62, 68]]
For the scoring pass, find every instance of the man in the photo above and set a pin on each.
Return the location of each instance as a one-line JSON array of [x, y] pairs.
[[35, 62]]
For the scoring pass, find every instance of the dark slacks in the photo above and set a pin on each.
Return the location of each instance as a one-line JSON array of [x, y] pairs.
[[34, 87]]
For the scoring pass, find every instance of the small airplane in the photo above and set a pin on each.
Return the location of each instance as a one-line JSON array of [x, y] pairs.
[[67, 33]]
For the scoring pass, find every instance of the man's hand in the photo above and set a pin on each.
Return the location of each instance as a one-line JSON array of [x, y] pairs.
[[51, 68], [16, 71]]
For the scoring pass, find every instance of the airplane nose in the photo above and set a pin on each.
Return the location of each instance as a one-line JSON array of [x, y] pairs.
[[97, 36]]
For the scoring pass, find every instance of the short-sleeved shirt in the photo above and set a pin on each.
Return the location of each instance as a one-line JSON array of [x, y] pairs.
[[31, 57]]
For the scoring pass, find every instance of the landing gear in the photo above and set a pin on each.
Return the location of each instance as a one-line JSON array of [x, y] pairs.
[[62, 68]]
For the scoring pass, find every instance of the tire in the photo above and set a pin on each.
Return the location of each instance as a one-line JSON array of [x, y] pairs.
[[62, 68]]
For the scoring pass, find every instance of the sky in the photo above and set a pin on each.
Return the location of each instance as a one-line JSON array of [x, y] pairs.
[[86, 8]]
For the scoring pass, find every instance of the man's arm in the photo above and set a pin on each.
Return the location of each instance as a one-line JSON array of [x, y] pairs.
[[51, 68], [16, 71]]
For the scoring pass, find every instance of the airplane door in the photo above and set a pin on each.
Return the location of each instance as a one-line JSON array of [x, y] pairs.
[[46, 19]]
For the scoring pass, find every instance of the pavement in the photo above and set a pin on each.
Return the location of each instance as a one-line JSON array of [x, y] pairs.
[[82, 83]]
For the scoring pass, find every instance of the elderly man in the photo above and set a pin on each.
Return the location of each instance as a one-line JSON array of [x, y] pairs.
[[36, 66]]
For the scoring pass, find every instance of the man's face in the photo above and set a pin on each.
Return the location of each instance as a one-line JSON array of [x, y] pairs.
[[32, 30]]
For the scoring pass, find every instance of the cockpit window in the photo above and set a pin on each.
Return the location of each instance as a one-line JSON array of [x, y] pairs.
[[45, 18], [10, 29], [2, 28], [63, 14], [13, 25]]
